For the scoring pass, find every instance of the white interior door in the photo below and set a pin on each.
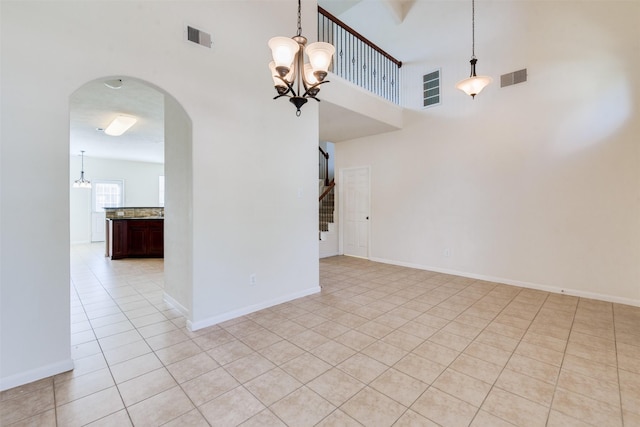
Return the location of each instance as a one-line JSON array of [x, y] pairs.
[[355, 191], [104, 194], [98, 226]]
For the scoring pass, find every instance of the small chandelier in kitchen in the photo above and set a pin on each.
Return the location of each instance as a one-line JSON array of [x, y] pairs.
[[82, 182], [474, 84], [291, 76]]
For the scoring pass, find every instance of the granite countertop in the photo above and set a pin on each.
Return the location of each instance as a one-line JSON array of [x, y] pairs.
[[135, 218], [135, 213]]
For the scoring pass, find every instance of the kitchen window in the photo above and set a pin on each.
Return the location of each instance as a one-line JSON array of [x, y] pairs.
[[107, 194]]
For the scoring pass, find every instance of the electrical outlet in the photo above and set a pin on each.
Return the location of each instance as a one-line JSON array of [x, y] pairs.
[[447, 252], [252, 279]]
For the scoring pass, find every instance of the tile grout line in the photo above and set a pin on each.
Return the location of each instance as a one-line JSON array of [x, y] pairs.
[[102, 350], [615, 341], [564, 354], [461, 352]]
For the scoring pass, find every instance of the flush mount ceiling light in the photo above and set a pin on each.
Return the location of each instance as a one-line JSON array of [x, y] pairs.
[[120, 125], [291, 76], [474, 84], [82, 183], [113, 84]]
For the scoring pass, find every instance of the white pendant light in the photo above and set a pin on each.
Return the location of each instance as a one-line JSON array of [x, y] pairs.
[[82, 182], [474, 84], [291, 76], [120, 125]]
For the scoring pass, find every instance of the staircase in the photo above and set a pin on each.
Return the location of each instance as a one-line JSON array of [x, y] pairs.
[[326, 207], [327, 227]]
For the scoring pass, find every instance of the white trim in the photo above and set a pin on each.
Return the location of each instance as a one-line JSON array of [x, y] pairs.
[[35, 374], [175, 304], [194, 326], [522, 284], [329, 254]]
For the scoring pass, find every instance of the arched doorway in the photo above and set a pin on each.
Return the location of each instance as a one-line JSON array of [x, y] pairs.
[[154, 152]]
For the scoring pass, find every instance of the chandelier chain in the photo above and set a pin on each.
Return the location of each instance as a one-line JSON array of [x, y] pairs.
[[299, 20]]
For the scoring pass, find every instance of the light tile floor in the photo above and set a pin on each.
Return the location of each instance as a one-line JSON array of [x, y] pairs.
[[381, 345]]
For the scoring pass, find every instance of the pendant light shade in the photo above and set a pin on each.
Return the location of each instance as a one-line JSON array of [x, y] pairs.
[[292, 78], [82, 182], [474, 84], [308, 74]]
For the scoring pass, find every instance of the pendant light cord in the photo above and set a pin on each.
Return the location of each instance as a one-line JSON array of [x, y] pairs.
[[473, 28]]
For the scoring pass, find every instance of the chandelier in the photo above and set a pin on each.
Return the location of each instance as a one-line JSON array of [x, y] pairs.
[[293, 78], [474, 84], [82, 183]]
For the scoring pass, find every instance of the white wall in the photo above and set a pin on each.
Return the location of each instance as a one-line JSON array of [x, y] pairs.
[[178, 237], [535, 184], [140, 188], [252, 157]]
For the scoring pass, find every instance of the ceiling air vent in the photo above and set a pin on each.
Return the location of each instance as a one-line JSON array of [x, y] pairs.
[[431, 89], [513, 78], [200, 37]]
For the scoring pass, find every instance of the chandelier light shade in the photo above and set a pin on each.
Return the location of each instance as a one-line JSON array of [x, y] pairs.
[[474, 84], [120, 125], [82, 182], [320, 55], [284, 51], [293, 78]]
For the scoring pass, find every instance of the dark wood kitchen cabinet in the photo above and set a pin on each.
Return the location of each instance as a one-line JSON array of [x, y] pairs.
[[135, 238]]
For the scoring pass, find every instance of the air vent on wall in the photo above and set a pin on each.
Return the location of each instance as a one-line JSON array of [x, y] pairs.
[[431, 89], [513, 78], [198, 36]]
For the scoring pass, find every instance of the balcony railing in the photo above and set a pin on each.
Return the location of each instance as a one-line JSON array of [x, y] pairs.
[[358, 60]]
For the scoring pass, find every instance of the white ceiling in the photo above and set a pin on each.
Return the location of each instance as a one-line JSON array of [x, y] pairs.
[[341, 124], [95, 105]]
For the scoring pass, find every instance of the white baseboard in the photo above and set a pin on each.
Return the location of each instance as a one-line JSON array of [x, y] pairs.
[[328, 254], [522, 284], [35, 374], [194, 326], [175, 304]]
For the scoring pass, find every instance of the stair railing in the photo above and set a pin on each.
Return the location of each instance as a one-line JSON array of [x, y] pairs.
[[327, 206], [359, 60], [323, 160], [327, 190]]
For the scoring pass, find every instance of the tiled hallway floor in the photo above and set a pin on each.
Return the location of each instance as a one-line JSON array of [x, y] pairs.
[[381, 345]]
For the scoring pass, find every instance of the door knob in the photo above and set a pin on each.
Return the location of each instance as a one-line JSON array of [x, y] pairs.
[[367, 217]]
